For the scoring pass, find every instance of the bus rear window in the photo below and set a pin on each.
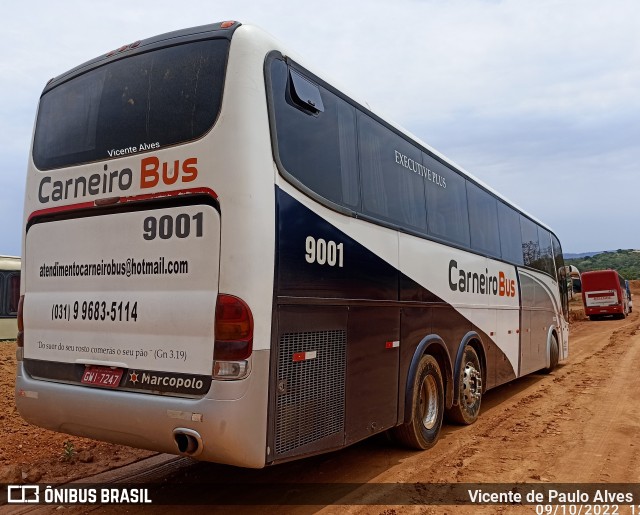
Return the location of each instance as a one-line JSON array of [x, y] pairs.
[[142, 102]]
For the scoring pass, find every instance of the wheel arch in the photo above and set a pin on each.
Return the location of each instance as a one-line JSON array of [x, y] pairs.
[[474, 340], [434, 345], [553, 332]]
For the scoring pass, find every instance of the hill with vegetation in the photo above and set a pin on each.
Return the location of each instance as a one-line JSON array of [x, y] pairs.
[[626, 262]]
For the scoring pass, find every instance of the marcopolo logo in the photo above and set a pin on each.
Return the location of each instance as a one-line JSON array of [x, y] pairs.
[[167, 382], [483, 283]]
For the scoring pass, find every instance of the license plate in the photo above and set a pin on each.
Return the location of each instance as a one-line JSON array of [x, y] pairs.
[[102, 376]]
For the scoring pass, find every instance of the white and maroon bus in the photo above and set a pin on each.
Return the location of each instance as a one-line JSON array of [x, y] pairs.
[[227, 257], [9, 296], [605, 293]]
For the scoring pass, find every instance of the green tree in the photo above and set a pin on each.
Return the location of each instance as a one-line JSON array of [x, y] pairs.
[[626, 262]]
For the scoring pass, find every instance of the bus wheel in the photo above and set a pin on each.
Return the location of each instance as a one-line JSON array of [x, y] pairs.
[[427, 408], [467, 409], [554, 355]]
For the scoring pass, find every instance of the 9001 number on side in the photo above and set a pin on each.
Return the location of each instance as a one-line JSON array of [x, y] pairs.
[[324, 252]]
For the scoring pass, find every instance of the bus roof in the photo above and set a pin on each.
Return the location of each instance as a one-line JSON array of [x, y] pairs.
[[597, 277], [144, 45], [10, 263], [608, 271]]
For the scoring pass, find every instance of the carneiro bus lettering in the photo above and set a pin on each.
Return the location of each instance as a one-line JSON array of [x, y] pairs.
[[153, 172], [465, 281]]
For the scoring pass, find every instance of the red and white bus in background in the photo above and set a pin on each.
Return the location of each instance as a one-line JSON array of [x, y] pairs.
[[229, 258], [9, 296], [604, 293]]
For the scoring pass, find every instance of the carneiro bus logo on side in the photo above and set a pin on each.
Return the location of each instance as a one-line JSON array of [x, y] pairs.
[[152, 173], [483, 283]]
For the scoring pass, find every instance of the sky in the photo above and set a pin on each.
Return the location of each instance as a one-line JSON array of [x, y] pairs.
[[538, 99]]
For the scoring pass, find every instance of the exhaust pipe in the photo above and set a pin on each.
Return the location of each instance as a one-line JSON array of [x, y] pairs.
[[188, 441]]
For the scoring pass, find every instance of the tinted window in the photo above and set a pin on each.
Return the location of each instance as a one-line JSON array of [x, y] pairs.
[[483, 221], [447, 200], [13, 293], [510, 235], [161, 97], [305, 93], [392, 175], [561, 271], [558, 257], [546, 253], [530, 243], [375, 171], [318, 149]]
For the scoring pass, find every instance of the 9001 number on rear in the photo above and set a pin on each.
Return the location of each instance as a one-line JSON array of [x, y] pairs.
[[167, 226]]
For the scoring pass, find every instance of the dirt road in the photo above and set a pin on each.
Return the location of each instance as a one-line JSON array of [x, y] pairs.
[[576, 425]]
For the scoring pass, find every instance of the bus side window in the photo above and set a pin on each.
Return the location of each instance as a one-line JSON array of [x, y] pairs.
[[392, 176], [530, 242], [447, 200], [317, 149], [483, 221], [545, 264], [304, 93], [3, 294], [563, 275], [510, 236]]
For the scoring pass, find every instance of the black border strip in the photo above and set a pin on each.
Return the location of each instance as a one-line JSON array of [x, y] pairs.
[[127, 207]]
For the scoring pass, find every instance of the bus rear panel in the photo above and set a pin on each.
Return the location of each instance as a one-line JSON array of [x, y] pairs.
[[131, 335], [604, 293]]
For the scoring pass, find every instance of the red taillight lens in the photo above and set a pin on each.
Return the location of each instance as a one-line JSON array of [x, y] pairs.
[[233, 329], [20, 337], [233, 319]]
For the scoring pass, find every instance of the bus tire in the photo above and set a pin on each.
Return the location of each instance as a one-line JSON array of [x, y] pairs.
[[467, 409], [554, 355], [427, 409]]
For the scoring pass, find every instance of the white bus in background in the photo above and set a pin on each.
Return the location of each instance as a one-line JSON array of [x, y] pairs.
[[227, 257], [9, 296]]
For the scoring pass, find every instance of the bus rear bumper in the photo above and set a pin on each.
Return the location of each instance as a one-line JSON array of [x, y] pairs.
[[604, 310], [232, 430]]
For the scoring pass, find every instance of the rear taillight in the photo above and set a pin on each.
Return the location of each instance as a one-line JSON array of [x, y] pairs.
[[20, 337], [234, 338]]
